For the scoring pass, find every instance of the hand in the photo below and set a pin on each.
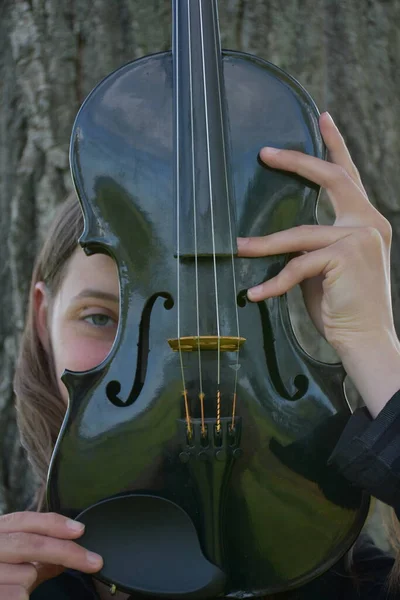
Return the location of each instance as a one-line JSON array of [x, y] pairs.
[[344, 269], [35, 547]]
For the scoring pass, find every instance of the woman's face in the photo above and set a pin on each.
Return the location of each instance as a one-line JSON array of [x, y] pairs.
[[79, 324]]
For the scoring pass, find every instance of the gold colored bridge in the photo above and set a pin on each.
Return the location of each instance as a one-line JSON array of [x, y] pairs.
[[206, 342]]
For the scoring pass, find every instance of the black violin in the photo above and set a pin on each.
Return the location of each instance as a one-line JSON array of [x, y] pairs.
[[196, 452]]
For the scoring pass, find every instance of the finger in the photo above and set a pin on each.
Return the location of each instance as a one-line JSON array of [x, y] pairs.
[[299, 268], [306, 238], [303, 238], [13, 592], [338, 151], [24, 574], [51, 524], [20, 547], [345, 195]]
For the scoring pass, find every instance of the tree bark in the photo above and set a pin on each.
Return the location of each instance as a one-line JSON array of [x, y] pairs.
[[53, 52]]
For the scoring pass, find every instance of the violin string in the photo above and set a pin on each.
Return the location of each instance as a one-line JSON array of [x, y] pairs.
[[201, 394], [218, 425], [215, 20], [176, 48]]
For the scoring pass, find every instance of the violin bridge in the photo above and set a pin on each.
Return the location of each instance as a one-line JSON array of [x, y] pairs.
[[206, 342]]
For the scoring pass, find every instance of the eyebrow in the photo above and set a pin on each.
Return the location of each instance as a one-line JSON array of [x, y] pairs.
[[93, 293]]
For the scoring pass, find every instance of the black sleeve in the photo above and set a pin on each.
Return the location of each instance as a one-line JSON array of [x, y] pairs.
[[368, 452]]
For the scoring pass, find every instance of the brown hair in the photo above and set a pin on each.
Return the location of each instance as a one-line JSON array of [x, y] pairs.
[[40, 408], [392, 526]]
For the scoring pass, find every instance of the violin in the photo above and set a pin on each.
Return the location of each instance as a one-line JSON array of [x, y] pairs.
[[196, 452]]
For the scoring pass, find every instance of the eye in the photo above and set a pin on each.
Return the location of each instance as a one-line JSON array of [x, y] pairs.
[[100, 320]]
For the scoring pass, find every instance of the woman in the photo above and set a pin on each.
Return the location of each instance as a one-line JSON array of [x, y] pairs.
[[72, 320]]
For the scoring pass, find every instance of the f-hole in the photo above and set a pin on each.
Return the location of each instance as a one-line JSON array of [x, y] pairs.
[[300, 381], [113, 388]]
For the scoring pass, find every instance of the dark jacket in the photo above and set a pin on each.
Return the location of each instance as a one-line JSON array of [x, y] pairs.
[[368, 455]]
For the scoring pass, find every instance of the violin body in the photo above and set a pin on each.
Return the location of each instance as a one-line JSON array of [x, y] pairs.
[[246, 466]]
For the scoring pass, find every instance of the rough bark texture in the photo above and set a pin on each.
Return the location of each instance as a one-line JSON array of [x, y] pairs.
[[52, 52]]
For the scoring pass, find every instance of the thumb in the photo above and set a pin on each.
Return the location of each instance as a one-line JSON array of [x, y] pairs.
[[45, 571], [312, 294]]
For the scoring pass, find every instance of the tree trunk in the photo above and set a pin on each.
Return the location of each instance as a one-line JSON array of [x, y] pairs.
[[52, 53]]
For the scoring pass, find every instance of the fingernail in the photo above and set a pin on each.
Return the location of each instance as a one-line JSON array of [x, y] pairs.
[[329, 116], [94, 559], [252, 292], [75, 525], [242, 241], [270, 150]]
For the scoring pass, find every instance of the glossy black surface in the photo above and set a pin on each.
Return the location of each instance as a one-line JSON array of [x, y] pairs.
[[267, 509], [203, 169], [149, 545]]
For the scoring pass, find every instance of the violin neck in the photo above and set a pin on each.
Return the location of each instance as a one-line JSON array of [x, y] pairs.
[[206, 220]]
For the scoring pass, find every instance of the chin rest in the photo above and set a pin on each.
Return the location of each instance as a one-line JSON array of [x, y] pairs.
[[149, 546]]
